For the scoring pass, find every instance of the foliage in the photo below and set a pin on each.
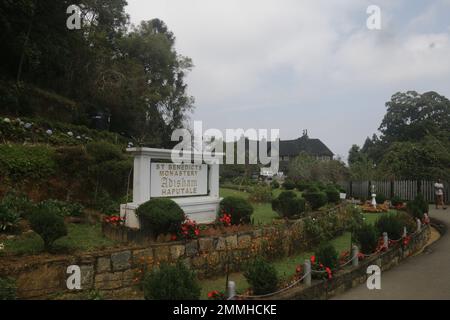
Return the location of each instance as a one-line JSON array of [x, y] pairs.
[[161, 216], [19, 162], [422, 160], [333, 195], [390, 223], [7, 289], [417, 207], [306, 168], [396, 200], [414, 140], [315, 199], [274, 184], [48, 224], [261, 193], [8, 218], [171, 282], [262, 276], [407, 221], [62, 208], [189, 230], [302, 185], [288, 204], [132, 77], [239, 209], [327, 255], [289, 184], [18, 203], [367, 238], [380, 198]]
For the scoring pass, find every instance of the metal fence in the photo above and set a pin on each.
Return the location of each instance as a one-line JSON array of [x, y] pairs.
[[405, 189]]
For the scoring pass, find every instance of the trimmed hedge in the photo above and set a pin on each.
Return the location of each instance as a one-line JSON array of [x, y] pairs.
[[171, 282], [288, 204], [48, 224], [161, 216], [288, 184], [327, 255], [367, 238], [239, 209], [262, 276], [332, 194], [316, 199]]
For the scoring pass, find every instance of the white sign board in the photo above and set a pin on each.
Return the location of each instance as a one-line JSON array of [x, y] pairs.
[[178, 180]]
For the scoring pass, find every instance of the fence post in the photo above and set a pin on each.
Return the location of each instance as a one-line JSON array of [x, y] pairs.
[[385, 240], [405, 232], [419, 225], [355, 253], [307, 268], [231, 289]]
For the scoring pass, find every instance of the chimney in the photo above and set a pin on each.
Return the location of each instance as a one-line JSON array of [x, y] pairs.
[[305, 133]]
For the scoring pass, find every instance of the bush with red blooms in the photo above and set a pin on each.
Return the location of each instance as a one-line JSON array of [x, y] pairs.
[[225, 218], [114, 220], [216, 295], [406, 240], [189, 230]]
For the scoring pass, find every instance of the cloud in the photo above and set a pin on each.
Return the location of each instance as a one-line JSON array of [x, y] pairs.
[[297, 64]]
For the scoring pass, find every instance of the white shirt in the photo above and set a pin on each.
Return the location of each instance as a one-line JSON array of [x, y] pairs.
[[439, 189]]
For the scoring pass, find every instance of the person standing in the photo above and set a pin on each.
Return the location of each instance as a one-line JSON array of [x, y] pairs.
[[439, 193]]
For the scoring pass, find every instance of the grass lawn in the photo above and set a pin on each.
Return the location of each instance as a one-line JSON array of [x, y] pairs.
[[263, 213], [80, 237], [371, 218]]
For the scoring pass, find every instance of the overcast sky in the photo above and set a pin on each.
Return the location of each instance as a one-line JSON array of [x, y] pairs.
[[312, 64]]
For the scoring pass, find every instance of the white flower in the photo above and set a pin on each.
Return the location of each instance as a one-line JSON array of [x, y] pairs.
[[78, 137], [2, 246], [27, 125], [49, 132], [70, 134], [7, 120]]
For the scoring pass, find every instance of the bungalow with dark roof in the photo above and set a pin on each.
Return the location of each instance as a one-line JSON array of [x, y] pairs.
[[290, 149]]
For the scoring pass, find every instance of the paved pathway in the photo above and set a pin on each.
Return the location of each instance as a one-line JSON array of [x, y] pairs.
[[425, 276]]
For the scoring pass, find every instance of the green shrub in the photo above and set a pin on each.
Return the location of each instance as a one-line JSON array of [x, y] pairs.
[[274, 184], [302, 185], [407, 221], [62, 208], [239, 209], [367, 238], [261, 193], [396, 200], [7, 289], [312, 187], [314, 231], [315, 199], [18, 203], [8, 219], [161, 216], [418, 206], [171, 282], [327, 255], [288, 184], [19, 162], [48, 224], [288, 204], [102, 151], [391, 224], [332, 194], [380, 198], [262, 276]]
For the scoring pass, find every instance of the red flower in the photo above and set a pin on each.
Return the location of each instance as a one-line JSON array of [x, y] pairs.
[[313, 259], [328, 270]]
